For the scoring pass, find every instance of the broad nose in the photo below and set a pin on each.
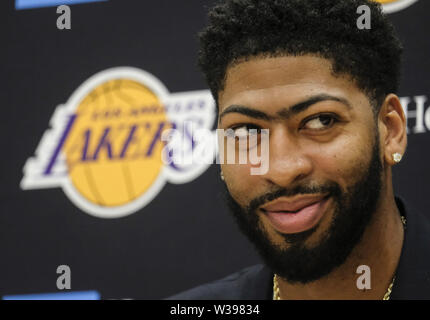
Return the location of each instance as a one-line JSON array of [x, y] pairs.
[[288, 160]]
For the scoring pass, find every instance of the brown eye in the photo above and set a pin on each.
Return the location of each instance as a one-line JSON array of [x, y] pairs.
[[249, 134], [323, 121], [245, 131], [241, 132]]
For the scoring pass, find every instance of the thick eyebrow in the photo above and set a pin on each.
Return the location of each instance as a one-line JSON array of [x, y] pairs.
[[285, 113]]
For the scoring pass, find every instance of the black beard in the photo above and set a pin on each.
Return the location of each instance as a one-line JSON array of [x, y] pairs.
[[353, 211]]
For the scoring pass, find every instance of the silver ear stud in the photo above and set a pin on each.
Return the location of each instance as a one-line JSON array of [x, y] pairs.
[[397, 157]]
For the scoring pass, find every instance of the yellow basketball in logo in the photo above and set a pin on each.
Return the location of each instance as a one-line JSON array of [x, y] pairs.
[[113, 152], [386, 1]]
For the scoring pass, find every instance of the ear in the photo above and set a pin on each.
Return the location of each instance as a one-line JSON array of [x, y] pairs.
[[393, 124]]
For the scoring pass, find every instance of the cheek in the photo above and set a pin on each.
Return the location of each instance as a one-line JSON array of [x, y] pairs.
[[344, 160], [240, 182]]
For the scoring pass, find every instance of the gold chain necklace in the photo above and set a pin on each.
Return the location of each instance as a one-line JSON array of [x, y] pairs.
[[277, 296]]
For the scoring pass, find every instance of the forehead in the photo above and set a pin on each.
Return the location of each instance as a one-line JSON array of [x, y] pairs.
[[263, 81]]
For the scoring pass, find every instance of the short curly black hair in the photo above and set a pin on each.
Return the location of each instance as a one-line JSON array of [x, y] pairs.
[[242, 29]]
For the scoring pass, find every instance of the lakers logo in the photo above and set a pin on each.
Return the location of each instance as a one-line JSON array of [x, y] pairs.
[[395, 5], [105, 148]]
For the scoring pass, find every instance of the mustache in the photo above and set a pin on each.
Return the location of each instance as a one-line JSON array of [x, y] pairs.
[[330, 188]]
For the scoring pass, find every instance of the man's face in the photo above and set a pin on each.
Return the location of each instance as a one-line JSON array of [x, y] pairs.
[[310, 209]]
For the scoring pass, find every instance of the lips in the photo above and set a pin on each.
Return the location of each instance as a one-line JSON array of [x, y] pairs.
[[295, 216], [291, 206]]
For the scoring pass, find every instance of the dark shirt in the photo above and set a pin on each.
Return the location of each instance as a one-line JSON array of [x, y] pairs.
[[412, 275]]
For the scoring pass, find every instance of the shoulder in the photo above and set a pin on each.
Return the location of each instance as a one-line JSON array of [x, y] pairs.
[[251, 283], [413, 270]]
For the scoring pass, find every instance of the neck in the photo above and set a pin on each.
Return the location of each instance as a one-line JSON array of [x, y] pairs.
[[379, 249]]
